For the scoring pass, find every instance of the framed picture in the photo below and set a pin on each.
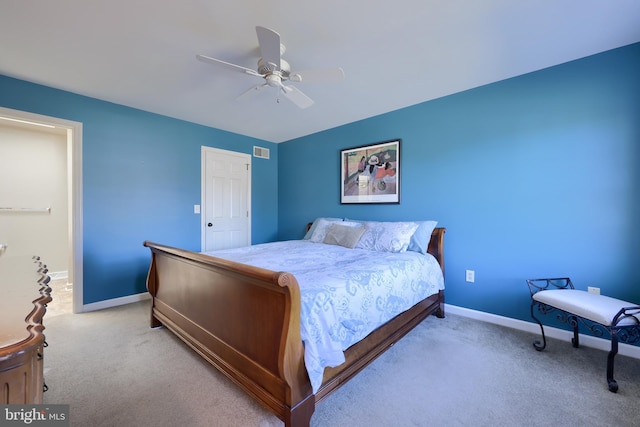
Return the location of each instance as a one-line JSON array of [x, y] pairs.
[[371, 174]]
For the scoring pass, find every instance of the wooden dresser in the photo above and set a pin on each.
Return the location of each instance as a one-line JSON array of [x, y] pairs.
[[24, 293]]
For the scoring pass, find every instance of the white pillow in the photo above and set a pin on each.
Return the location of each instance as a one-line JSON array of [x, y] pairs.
[[387, 236], [322, 227], [309, 233]]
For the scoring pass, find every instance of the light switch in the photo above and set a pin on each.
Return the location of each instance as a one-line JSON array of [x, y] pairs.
[[196, 209]]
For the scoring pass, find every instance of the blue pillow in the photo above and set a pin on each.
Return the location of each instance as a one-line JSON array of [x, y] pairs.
[[420, 239]]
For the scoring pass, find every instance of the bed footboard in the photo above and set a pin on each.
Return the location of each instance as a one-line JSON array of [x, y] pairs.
[[244, 320]]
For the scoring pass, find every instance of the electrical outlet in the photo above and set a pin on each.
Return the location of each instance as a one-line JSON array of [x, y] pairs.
[[470, 276], [593, 290]]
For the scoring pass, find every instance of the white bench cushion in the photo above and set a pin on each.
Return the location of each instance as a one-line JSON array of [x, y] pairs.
[[597, 308]]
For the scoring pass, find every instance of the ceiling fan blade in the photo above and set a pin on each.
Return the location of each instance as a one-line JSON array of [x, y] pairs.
[[228, 65], [269, 42], [329, 75], [294, 95], [251, 92]]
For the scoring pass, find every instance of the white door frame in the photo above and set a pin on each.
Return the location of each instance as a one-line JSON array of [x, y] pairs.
[[203, 181], [74, 190]]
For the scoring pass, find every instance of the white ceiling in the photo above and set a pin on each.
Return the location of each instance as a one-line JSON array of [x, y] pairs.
[[141, 53]]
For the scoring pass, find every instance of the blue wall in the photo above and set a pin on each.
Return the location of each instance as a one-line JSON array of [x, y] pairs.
[[141, 178], [535, 176]]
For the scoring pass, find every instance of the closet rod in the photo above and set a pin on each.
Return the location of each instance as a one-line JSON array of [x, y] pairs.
[[26, 209]]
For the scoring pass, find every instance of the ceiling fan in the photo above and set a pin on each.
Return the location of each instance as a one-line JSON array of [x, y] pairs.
[[275, 70]]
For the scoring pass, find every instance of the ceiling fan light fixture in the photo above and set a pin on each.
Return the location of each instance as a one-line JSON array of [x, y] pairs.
[[273, 80]]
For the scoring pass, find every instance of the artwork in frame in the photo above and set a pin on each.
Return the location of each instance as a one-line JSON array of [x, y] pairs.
[[371, 173]]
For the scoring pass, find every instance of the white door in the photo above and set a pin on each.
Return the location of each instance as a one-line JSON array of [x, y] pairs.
[[226, 199]]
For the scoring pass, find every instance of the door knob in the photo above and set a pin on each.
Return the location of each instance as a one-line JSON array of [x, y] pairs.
[[209, 225]]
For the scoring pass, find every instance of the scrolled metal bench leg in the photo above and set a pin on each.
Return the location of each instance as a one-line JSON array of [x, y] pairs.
[[573, 322], [613, 385], [536, 343]]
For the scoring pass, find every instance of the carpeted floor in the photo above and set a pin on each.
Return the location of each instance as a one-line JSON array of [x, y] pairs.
[[63, 298], [113, 370]]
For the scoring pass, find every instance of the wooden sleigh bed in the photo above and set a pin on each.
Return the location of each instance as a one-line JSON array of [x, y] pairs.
[[245, 321]]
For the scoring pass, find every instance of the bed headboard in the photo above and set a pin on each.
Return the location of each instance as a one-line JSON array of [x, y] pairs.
[[436, 244]]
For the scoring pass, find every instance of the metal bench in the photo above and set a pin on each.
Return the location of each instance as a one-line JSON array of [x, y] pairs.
[[599, 313]]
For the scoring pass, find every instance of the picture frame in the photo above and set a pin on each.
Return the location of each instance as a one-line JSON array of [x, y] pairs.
[[371, 173]]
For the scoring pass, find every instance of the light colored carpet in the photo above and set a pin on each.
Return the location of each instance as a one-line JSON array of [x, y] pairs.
[[113, 370], [62, 293]]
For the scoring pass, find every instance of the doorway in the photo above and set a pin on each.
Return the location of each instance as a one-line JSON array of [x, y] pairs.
[[71, 134], [226, 199]]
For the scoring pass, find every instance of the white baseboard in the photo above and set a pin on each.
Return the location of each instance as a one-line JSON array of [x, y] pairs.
[[100, 305], [58, 275], [586, 340]]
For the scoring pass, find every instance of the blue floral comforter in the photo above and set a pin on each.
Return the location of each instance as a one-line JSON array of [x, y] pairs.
[[345, 293]]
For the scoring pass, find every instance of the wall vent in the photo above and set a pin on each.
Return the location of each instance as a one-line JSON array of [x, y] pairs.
[[263, 153]]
